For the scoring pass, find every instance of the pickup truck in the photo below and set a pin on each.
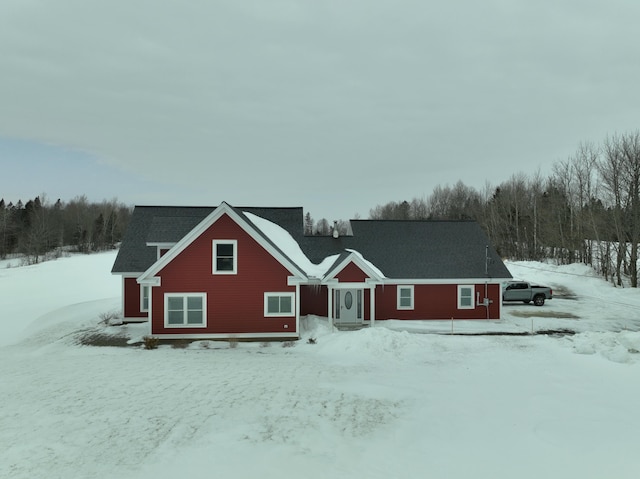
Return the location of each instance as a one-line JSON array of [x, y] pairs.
[[526, 292]]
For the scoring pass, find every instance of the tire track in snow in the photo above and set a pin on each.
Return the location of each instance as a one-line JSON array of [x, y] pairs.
[[114, 409]]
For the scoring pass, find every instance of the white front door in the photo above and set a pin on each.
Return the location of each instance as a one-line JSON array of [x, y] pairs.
[[348, 305]]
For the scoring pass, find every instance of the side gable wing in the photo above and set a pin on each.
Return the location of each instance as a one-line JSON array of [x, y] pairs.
[[355, 267], [200, 228]]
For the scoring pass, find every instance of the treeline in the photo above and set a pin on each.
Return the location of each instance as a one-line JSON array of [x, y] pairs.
[[323, 228], [38, 229], [587, 209]]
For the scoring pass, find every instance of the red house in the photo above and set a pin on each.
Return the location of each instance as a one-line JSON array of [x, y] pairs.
[[225, 272]]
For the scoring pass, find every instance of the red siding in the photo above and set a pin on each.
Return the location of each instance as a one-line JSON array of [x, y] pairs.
[[351, 274], [235, 303], [436, 301], [132, 299], [430, 302], [313, 300]]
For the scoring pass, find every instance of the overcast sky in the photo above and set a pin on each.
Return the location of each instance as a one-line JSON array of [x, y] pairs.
[[336, 106]]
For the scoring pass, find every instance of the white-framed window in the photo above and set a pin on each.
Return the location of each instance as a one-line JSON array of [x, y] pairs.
[[405, 296], [225, 256], [144, 298], [185, 310], [466, 293], [279, 304]]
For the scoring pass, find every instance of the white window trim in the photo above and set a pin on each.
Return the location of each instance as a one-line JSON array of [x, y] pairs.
[[215, 256], [409, 287], [184, 296], [473, 293], [144, 288], [267, 314]]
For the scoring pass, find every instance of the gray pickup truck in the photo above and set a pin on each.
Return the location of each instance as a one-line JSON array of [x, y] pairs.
[[526, 292]]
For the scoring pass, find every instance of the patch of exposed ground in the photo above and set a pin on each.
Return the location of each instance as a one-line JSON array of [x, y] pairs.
[[96, 338], [562, 292], [545, 332], [543, 314]]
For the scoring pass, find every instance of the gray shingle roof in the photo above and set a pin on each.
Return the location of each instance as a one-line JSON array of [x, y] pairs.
[[134, 255], [171, 229], [169, 224], [400, 249], [416, 249]]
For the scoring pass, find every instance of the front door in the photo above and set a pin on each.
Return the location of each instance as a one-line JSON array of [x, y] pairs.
[[348, 306]]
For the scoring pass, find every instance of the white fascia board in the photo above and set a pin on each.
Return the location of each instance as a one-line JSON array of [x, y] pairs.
[[284, 260], [294, 280], [443, 281], [153, 281], [367, 265], [201, 227], [359, 262], [353, 285], [127, 275], [271, 249]]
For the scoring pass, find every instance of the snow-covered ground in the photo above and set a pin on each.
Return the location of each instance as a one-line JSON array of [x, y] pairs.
[[389, 401]]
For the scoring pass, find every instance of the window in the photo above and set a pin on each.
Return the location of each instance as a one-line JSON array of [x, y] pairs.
[[405, 297], [465, 296], [185, 310], [279, 304], [144, 298], [225, 256]]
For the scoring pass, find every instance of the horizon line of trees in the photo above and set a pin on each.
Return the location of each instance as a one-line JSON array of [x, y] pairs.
[[39, 229], [587, 209]]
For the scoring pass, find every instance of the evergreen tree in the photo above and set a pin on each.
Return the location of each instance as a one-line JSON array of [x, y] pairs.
[[4, 223], [98, 233], [110, 230]]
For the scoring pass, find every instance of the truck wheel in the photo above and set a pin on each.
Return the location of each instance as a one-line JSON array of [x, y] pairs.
[[538, 300]]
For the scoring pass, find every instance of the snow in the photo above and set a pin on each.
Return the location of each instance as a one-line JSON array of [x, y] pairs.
[[399, 400], [367, 262], [28, 292], [290, 247]]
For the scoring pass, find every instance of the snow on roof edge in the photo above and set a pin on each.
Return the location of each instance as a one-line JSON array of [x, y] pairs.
[[367, 262], [289, 246]]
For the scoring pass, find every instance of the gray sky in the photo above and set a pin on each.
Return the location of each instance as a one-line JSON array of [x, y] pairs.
[[335, 106]]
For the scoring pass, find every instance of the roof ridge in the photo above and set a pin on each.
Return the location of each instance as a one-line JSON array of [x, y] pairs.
[[415, 221]]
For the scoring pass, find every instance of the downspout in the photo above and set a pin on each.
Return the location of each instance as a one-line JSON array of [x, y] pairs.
[[298, 309], [486, 285], [486, 297]]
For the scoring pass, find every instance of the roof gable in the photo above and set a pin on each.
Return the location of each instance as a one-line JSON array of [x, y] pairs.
[[200, 228], [151, 226], [349, 259]]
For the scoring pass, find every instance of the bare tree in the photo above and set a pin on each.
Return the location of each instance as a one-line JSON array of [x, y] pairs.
[[308, 224], [611, 174], [629, 144], [323, 228]]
